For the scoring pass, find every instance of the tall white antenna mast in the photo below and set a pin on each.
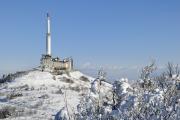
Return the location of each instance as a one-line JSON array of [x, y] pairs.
[[48, 36]]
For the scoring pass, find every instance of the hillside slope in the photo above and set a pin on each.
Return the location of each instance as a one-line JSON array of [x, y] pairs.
[[40, 95]]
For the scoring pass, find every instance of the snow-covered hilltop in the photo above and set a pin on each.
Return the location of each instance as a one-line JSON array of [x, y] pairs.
[[41, 95]]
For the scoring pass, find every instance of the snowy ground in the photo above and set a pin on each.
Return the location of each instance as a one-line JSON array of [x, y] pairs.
[[40, 95]]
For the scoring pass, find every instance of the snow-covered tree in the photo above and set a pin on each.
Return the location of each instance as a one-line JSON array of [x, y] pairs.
[[150, 98], [168, 82], [146, 78], [93, 106]]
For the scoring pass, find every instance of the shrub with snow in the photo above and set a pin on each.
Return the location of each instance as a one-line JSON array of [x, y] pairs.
[[151, 98]]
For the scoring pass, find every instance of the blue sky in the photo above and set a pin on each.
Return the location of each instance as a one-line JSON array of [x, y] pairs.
[[119, 35]]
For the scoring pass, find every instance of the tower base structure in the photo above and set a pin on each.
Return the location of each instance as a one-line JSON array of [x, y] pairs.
[[56, 65]]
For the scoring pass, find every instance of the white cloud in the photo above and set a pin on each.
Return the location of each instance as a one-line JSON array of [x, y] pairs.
[[89, 65]]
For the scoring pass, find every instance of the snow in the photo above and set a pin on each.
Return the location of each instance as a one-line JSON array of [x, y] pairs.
[[42, 95], [77, 75], [62, 114], [38, 91], [35, 78], [122, 86]]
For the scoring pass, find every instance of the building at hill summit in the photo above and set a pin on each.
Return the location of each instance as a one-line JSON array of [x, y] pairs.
[[55, 65]]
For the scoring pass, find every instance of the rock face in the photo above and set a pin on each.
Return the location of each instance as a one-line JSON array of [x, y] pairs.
[[40, 95]]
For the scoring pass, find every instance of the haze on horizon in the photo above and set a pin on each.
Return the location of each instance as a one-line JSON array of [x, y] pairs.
[[121, 36]]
